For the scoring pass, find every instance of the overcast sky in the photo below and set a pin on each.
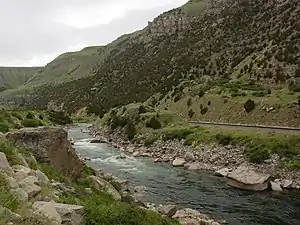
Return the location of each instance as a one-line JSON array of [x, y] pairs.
[[34, 32]]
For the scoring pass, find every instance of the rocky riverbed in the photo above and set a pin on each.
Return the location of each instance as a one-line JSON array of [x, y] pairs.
[[228, 161]]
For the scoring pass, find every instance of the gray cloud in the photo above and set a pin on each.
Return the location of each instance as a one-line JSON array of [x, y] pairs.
[[34, 31]]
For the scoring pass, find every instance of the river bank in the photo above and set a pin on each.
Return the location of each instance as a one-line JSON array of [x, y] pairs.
[[223, 160]]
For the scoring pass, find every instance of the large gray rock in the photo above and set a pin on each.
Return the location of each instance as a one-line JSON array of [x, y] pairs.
[[286, 184], [275, 186], [101, 184], [21, 194], [4, 164], [178, 162], [12, 182], [30, 187], [42, 178], [245, 178], [48, 210], [20, 168], [169, 210], [69, 214]]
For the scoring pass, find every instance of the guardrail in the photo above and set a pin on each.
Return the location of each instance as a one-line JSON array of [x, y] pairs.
[[245, 125]]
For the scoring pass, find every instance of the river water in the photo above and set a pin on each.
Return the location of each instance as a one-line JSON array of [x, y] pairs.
[[202, 191]]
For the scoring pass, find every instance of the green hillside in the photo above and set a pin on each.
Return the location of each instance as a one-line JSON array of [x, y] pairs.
[[204, 61], [12, 77]]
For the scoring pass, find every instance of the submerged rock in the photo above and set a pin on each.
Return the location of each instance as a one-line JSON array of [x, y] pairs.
[[245, 178]]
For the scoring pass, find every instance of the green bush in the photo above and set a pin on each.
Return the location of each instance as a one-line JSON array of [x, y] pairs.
[[4, 128], [258, 154], [223, 139], [173, 133], [191, 113], [17, 115], [30, 115], [153, 123], [31, 123], [189, 102], [60, 118]]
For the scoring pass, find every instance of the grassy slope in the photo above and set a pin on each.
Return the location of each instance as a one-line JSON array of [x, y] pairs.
[[12, 77]]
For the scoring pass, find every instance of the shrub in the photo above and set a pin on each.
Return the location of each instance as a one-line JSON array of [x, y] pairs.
[[30, 115], [153, 123], [204, 110], [142, 109], [223, 139], [31, 123], [59, 117], [17, 115], [4, 128], [249, 105], [11, 153], [189, 102], [191, 113], [201, 93], [130, 130], [177, 98], [258, 154]]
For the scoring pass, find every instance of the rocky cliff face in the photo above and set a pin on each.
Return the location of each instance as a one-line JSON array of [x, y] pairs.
[[49, 145], [172, 22]]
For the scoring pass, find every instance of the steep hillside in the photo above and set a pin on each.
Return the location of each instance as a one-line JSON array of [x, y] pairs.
[[231, 50], [12, 77]]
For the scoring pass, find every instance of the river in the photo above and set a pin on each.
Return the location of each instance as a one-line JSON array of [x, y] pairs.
[[202, 191]]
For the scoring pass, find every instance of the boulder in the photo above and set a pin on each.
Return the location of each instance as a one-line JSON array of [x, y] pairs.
[[68, 214], [23, 169], [189, 157], [222, 172], [11, 215], [21, 194], [12, 182], [101, 184], [178, 162], [275, 186], [49, 145], [136, 154], [30, 179], [4, 164], [48, 210], [30, 187], [20, 175], [245, 178], [287, 184], [169, 210], [42, 178]]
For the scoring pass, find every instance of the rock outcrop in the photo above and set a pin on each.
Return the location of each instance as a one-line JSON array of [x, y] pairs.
[[49, 145], [245, 178], [193, 217]]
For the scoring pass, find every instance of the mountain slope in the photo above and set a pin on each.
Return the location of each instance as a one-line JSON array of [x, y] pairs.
[[12, 77], [234, 49]]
